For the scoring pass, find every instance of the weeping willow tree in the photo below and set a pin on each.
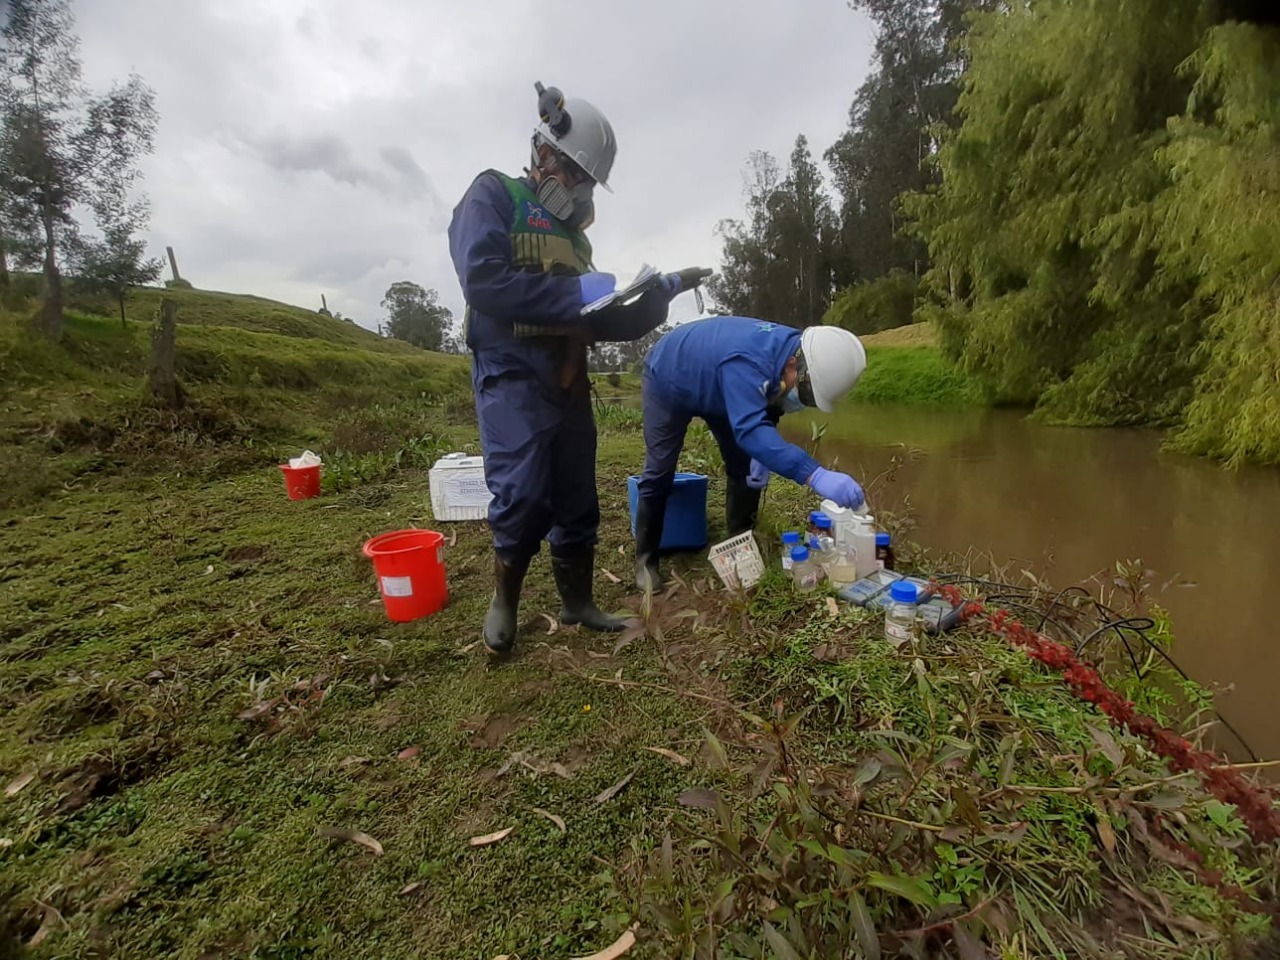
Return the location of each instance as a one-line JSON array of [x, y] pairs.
[[1105, 229], [1221, 223]]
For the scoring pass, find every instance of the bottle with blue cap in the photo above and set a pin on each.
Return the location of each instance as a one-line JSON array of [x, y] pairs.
[[806, 573], [790, 540], [900, 614]]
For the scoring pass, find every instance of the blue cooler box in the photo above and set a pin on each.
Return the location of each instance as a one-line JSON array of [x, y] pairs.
[[685, 525]]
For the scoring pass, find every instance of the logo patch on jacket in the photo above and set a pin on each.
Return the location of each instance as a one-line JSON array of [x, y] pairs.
[[765, 325], [536, 217]]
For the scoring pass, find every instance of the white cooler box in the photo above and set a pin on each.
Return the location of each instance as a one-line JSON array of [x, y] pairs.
[[457, 488]]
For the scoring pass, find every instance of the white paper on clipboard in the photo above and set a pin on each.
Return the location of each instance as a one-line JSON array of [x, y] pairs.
[[641, 282]]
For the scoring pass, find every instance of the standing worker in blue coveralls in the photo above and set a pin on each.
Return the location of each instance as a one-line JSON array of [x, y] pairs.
[[524, 263], [740, 375]]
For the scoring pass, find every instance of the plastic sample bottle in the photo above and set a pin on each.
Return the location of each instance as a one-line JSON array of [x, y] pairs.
[[864, 543], [884, 551], [843, 567], [790, 540], [900, 614], [804, 571], [842, 522]]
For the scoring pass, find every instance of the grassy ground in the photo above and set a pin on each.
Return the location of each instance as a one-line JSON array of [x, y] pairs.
[[912, 335], [206, 721], [917, 374]]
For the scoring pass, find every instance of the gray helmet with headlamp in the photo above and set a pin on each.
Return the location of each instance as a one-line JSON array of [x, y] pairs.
[[579, 133]]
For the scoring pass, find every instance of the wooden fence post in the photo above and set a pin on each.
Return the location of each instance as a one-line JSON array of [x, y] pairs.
[[164, 355]]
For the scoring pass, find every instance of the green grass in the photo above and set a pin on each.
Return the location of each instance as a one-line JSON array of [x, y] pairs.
[[171, 621], [916, 375]]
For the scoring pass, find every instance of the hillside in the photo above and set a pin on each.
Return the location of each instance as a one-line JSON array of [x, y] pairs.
[[261, 378]]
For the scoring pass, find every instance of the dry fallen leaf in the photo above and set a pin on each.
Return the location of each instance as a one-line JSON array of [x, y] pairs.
[[410, 889], [552, 817], [355, 836], [552, 624], [50, 916], [5, 843], [620, 947], [1106, 833], [670, 755], [208, 570], [20, 783], [700, 798], [257, 711], [491, 838], [833, 609], [469, 647], [408, 753], [351, 762], [617, 788], [613, 578]]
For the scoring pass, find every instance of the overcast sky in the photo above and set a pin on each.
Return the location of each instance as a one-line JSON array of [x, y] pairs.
[[319, 146]]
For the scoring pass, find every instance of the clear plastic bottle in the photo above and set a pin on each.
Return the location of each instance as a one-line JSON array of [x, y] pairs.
[[900, 614], [790, 540], [843, 568], [804, 571]]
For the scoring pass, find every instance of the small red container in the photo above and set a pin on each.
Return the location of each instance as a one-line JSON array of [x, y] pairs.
[[301, 483]]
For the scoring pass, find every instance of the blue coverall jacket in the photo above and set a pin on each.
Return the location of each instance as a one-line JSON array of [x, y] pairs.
[[725, 370], [533, 403]]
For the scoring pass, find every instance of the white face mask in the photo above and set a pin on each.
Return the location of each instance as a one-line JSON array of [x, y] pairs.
[[790, 401]]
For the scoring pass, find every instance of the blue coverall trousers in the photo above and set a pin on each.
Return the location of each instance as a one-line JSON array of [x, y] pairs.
[[539, 443]]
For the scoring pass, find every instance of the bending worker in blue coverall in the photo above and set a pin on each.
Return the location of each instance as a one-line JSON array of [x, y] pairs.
[[524, 263], [740, 375]]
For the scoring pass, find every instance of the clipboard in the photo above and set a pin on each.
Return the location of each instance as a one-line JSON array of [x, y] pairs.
[[645, 280]]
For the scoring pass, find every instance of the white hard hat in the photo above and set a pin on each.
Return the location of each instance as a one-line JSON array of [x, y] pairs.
[[835, 359], [589, 141]]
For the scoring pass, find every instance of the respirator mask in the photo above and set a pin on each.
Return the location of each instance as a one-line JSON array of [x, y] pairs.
[[573, 206]]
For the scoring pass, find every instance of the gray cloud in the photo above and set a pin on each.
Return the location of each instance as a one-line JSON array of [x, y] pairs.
[[314, 153], [306, 146], [413, 176]]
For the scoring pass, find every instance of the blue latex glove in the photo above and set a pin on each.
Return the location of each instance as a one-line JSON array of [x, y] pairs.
[[757, 476], [596, 285], [840, 488], [669, 285]]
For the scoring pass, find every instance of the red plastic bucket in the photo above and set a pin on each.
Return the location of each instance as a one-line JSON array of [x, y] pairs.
[[301, 483], [409, 565]]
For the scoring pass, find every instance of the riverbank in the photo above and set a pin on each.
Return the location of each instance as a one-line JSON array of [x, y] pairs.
[[215, 744]]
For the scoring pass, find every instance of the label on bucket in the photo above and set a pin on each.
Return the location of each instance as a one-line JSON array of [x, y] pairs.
[[397, 586]]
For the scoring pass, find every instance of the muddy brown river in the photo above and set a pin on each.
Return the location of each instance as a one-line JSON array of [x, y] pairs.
[[1066, 504]]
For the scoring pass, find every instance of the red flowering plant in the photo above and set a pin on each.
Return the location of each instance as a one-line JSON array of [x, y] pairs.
[[1253, 803]]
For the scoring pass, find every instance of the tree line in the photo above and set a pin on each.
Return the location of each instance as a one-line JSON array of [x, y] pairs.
[[1082, 195], [66, 153]]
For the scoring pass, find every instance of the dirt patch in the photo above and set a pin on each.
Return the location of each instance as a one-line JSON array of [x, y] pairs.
[[99, 777], [531, 690], [250, 553], [488, 731]]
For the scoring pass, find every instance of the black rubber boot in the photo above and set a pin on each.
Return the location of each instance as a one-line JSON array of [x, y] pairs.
[[741, 507], [573, 572], [649, 519], [500, 622]]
